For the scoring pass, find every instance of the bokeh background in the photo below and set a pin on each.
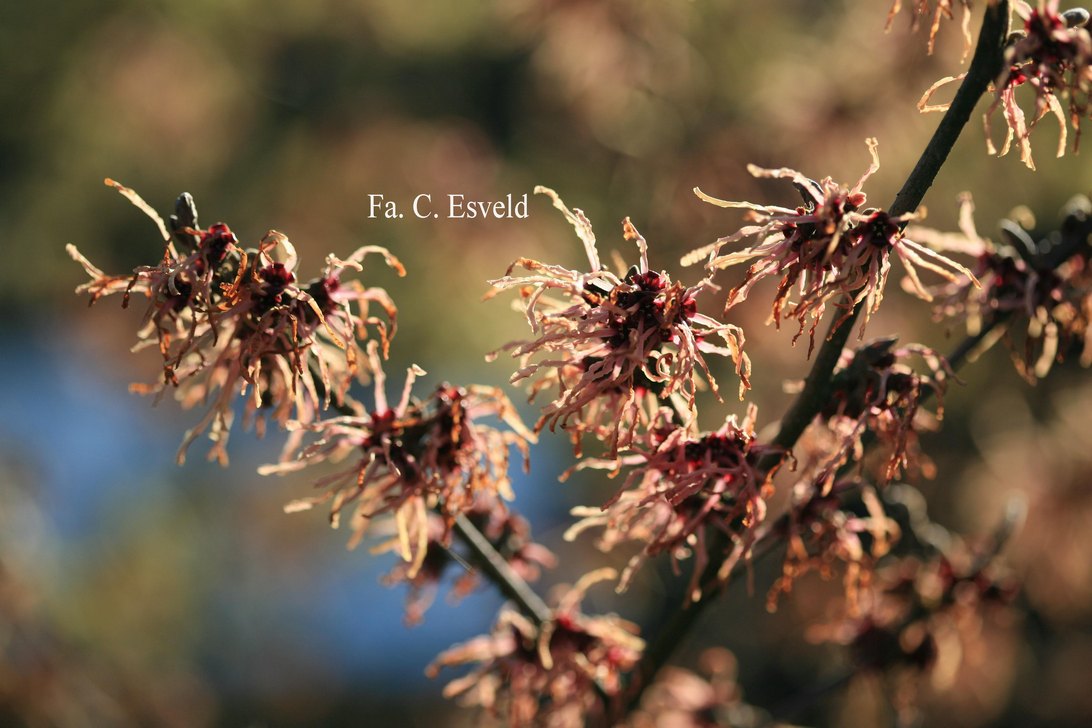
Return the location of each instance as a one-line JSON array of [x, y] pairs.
[[135, 592]]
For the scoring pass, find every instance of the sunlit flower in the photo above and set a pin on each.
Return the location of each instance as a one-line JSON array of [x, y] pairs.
[[613, 345], [875, 392], [829, 248], [552, 675], [231, 322], [921, 8], [679, 485], [1055, 60], [1052, 56], [183, 289], [410, 458], [1040, 309], [276, 341]]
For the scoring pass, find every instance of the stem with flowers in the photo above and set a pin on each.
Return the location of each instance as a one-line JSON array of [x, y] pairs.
[[985, 67]]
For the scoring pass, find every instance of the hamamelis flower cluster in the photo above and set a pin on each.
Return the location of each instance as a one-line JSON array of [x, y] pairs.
[[876, 393], [232, 322], [1040, 306], [876, 397], [1052, 56], [613, 345], [926, 615], [552, 674], [825, 537], [410, 459], [682, 484], [829, 249], [623, 356]]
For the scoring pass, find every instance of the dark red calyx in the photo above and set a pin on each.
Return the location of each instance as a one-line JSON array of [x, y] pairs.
[[216, 240]]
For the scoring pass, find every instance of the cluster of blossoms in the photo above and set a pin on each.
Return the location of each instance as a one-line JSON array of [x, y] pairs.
[[614, 346], [876, 397], [1051, 55], [557, 673], [831, 248], [230, 321], [1035, 295], [925, 614], [875, 393], [943, 9], [822, 534], [682, 483], [624, 355], [411, 459]]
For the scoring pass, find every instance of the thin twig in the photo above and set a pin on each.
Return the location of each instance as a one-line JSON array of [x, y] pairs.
[[500, 573]]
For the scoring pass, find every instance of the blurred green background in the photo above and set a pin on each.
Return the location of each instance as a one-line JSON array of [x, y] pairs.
[[136, 592]]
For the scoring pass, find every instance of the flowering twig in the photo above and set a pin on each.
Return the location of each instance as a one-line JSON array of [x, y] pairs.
[[486, 557], [1073, 239], [984, 68]]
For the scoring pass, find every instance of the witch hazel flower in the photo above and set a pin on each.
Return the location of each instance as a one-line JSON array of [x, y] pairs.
[[830, 248], [923, 615], [182, 291], [555, 674], [614, 346], [679, 486], [1051, 55], [314, 326], [875, 391], [279, 349], [234, 322], [410, 458], [823, 536], [1041, 310], [943, 9]]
